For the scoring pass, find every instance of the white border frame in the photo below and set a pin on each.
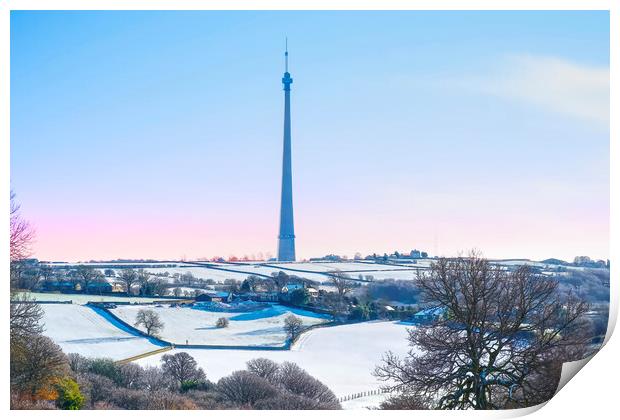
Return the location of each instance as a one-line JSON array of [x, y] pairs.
[[580, 399]]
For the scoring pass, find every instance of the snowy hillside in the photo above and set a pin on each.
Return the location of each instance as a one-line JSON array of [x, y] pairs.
[[79, 329], [260, 328]]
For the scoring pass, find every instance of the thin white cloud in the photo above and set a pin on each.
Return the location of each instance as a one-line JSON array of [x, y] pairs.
[[551, 83]]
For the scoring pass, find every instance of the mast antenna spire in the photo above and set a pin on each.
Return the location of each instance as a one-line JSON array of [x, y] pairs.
[[286, 54]]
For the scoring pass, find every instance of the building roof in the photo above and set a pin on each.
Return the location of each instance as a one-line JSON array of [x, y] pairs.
[[292, 286]]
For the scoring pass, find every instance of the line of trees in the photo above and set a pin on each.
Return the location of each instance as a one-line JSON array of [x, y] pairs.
[[179, 384]]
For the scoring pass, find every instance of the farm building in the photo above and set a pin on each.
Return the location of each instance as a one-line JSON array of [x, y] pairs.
[[212, 296]]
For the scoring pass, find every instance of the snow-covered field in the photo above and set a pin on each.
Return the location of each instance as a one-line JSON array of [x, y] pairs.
[[79, 329], [384, 275], [196, 326], [205, 273], [325, 267], [420, 263], [342, 357], [82, 299]]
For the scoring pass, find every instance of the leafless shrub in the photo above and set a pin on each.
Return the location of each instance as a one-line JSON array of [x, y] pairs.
[[104, 405], [99, 387], [207, 400], [182, 367], [222, 322], [155, 379], [288, 401], [166, 400], [297, 381], [129, 399], [265, 368], [78, 363], [24, 401], [244, 388], [403, 402], [131, 375]]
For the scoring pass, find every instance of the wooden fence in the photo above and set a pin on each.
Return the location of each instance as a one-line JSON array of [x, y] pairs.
[[362, 394]]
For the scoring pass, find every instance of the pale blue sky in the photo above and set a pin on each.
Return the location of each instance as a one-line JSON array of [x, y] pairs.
[[158, 134]]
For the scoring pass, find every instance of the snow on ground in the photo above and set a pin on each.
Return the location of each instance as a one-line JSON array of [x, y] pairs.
[[259, 328], [325, 267], [384, 275], [420, 263], [82, 299], [205, 273], [317, 271], [189, 291], [364, 403], [519, 262], [80, 329], [268, 271], [220, 275], [342, 357]]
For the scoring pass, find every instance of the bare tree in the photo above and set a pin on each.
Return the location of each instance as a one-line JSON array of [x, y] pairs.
[[293, 326], [129, 277], [503, 331], [142, 279], [245, 389], [182, 367], [151, 285], [295, 380], [36, 364], [342, 283], [97, 387], [151, 322], [21, 233], [264, 368], [47, 272], [25, 331], [131, 375], [155, 379], [88, 276], [25, 317]]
